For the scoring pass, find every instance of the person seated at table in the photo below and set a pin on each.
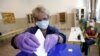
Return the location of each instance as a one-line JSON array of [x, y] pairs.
[[28, 42], [90, 37]]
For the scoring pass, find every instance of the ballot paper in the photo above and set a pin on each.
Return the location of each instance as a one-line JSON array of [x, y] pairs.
[[40, 50]]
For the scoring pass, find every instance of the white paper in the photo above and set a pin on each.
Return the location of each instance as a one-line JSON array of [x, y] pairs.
[[40, 50]]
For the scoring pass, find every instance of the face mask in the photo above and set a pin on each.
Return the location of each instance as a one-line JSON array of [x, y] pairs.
[[92, 28], [42, 24], [92, 24]]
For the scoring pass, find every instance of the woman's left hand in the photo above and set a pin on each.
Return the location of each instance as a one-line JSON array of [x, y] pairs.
[[50, 41]]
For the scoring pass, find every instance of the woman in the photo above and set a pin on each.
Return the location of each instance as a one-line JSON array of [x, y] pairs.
[[91, 35], [29, 43]]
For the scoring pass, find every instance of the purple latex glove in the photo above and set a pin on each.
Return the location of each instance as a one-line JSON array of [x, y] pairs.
[[27, 42], [50, 41]]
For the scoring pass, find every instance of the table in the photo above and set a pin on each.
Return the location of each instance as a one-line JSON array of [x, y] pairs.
[[73, 37], [60, 50]]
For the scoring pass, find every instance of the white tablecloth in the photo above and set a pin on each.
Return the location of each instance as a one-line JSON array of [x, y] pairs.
[[75, 31]]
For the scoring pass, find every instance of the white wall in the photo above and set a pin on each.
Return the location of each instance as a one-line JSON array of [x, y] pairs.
[[19, 7], [19, 24], [22, 7]]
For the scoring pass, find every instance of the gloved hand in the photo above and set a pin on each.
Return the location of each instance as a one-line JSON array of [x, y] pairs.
[[50, 41], [27, 42]]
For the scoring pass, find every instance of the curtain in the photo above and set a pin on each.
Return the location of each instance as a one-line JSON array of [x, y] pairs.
[[88, 9], [91, 9], [98, 11]]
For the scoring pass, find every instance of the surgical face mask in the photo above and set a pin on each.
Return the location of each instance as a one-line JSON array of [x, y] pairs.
[[42, 24], [92, 28], [92, 24]]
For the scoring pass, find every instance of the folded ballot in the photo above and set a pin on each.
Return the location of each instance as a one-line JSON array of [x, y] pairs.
[[40, 50]]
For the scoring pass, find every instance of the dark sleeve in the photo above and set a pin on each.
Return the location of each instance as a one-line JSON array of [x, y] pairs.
[[64, 37], [12, 42], [0, 33], [31, 29]]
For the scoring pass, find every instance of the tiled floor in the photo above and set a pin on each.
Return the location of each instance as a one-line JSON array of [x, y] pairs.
[[93, 51], [8, 50]]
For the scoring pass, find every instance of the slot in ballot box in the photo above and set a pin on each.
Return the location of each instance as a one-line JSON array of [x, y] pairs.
[[60, 50]]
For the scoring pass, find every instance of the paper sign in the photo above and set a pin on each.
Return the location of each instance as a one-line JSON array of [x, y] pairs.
[[40, 50]]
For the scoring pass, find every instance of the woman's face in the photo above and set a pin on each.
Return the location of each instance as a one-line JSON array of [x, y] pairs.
[[92, 23], [42, 21]]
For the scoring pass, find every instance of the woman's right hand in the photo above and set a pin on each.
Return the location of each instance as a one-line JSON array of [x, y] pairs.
[[27, 42]]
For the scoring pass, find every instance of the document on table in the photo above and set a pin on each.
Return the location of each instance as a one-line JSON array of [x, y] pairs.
[[40, 50]]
